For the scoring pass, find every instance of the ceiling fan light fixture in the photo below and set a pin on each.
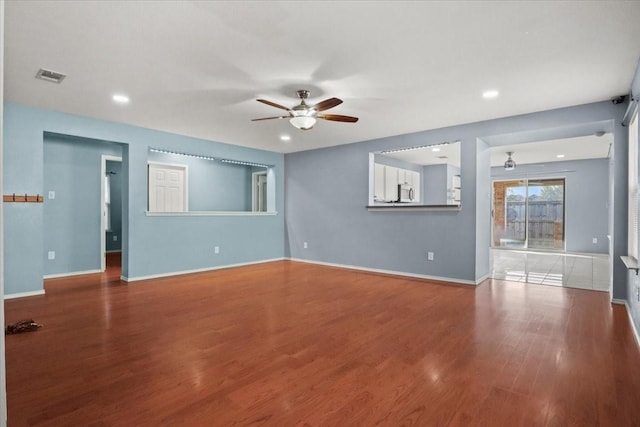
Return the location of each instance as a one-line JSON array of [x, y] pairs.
[[510, 164], [303, 122], [304, 116]]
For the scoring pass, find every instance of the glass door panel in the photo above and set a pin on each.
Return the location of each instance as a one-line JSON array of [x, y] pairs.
[[545, 214], [509, 214]]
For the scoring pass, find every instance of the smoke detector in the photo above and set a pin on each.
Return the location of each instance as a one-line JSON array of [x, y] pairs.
[[50, 76]]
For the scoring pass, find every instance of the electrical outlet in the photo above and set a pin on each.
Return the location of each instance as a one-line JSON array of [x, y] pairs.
[[216, 249], [430, 256], [595, 240], [51, 255], [52, 195], [304, 245], [115, 237]]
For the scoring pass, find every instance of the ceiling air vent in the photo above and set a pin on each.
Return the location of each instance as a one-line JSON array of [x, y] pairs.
[[50, 76]]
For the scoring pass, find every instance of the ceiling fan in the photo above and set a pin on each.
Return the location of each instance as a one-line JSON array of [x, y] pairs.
[[304, 116]]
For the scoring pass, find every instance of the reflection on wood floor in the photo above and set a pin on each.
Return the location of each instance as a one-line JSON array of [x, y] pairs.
[[287, 343], [581, 271]]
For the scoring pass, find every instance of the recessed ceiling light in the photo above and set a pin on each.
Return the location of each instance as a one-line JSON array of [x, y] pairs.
[[285, 138], [120, 99], [490, 94], [435, 149], [560, 156]]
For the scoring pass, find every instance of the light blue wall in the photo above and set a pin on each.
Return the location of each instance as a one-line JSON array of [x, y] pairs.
[[434, 184], [332, 218], [483, 207], [586, 198], [151, 245], [326, 198], [72, 169], [213, 186], [116, 207]]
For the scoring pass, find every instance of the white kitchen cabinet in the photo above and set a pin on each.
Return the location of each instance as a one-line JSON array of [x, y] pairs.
[[403, 176], [378, 179], [390, 183], [415, 182], [386, 180]]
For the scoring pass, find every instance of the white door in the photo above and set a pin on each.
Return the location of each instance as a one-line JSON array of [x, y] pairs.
[[167, 188]]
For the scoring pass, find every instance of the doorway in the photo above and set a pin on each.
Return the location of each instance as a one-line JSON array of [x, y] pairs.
[[111, 208], [529, 214], [73, 178], [259, 192]]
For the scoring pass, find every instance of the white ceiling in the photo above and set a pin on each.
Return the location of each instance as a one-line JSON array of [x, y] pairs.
[[580, 148], [439, 154], [196, 68]]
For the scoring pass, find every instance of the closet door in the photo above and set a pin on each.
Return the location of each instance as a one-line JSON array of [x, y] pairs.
[[167, 188]]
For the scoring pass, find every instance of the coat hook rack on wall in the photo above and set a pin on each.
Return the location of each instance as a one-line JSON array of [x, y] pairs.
[[22, 198]]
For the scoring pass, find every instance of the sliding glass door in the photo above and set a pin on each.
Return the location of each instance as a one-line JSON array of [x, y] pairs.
[[545, 214], [509, 214], [528, 214]]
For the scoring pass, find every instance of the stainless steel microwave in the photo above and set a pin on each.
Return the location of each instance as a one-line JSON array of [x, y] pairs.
[[406, 193]]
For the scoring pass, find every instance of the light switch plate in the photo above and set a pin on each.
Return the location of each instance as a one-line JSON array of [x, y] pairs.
[[52, 195]]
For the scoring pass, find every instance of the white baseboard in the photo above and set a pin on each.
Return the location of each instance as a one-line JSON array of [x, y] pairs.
[[390, 272], [628, 310], [73, 273], [24, 294], [117, 251], [197, 270], [483, 278]]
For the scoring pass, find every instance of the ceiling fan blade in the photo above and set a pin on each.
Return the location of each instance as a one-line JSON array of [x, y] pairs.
[[270, 118], [338, 118], [326, 104], [273, 104]]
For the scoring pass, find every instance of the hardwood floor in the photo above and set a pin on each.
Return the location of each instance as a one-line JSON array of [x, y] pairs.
[[293, 344]]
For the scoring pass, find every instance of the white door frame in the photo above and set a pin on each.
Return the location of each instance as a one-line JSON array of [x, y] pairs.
[[103, 225], [254, 186]]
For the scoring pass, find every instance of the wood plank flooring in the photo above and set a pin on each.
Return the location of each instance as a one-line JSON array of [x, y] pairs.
[[294, 344]]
